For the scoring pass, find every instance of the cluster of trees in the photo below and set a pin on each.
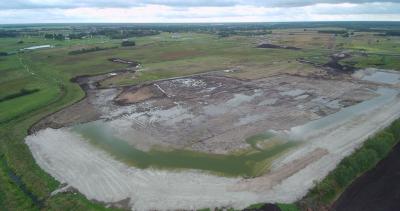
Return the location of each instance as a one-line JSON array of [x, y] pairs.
[[374, 149], [54, 36], [88, 50], [126, 43], [3, 54]]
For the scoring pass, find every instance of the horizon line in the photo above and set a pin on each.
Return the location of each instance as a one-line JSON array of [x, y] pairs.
[[222, 22]]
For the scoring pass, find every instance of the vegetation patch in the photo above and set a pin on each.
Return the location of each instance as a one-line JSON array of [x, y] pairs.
[[287, 207], [12, 196]]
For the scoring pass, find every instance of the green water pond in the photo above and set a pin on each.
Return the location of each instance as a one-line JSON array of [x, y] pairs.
[[250, 163]]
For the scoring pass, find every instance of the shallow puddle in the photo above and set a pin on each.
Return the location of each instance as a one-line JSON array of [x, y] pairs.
[[385, 95], [383, 77], [37, 47]]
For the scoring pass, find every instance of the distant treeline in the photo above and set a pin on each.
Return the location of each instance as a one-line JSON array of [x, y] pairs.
[[80, 35], [8, 33], [122, 33], [88, 50], [343, 33], [332, 31], [392, 33], [21, 93], [227, 33], [374, 149]]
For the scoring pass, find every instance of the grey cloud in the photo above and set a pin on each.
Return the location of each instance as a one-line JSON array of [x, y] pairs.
[[385, 8], [28, 4], [300, 3]]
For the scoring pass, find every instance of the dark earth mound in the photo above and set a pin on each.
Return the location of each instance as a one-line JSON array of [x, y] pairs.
[[334, 63], [376, 190]]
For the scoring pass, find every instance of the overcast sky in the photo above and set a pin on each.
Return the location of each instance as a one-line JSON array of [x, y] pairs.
[[139, 11]]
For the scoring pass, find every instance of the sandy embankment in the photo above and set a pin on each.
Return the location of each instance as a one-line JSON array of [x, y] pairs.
[[71, 159]]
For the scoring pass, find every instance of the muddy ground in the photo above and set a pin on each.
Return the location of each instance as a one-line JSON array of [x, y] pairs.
[[209, 112], [214, 113], [376, 190]]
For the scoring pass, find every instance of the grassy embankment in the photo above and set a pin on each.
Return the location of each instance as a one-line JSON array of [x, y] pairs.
[[22, 182]]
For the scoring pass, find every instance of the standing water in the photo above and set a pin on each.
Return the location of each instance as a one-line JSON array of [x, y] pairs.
[[250, 163], [385, 95]]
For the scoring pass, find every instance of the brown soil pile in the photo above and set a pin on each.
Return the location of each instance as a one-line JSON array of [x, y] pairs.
[[138, 94]]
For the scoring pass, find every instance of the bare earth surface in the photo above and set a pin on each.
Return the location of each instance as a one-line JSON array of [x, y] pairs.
[[216, 114]]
